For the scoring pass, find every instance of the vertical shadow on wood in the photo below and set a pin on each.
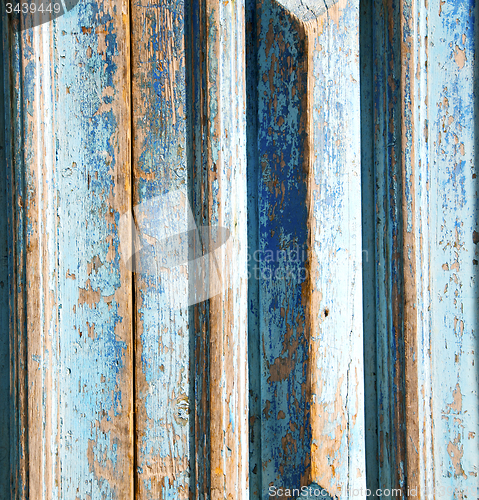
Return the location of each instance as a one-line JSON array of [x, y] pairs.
[[199, 331], [388, 224], [195, 382], [254, 354], [4, 316], [17, 454], [368, 244]]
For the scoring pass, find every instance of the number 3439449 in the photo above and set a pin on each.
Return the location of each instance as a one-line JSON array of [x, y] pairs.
[[32, 7]]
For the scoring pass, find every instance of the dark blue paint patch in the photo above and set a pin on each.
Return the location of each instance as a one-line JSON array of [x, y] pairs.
[[282, 226]]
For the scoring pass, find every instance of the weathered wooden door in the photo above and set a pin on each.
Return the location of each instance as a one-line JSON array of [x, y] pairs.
[[238, 247]]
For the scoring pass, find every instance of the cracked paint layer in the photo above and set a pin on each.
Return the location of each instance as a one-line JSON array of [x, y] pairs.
[[309, 257]]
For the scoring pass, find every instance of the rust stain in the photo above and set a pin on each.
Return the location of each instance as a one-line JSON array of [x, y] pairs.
[[460, 57], [88, 296], [456, 452], [456, 405], [336, 11], [94, 265]]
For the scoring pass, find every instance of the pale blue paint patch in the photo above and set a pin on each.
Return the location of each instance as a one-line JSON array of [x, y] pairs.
[[454, 215], [336, 249]]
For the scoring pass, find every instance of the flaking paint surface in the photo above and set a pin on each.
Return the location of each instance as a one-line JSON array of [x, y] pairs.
[[71, 311], [68, 183], [161, 331], [218, 193], [309, 249], [454, 222], [425, 221]]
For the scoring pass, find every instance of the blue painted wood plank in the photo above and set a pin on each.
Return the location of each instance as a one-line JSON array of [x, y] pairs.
[[453, 257], [254, 331], [390, 340], [161, 302], [336, 355], [426, 215], [91, 190], [78, 322], [219, 198], [71, 349], [5, 444], [282, 232], [309, 246], [208, 456], [87, 191], [16, 265], [368, 211]]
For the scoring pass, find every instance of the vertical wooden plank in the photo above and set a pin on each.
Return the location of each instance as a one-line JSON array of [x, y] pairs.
[[69, 183], [389, 290], [417, 180], [200, 338], [426, 212], [219, 198], [402, 240], [254, 331], [93, 189], [5, 444], [411, 142], [161, 327], [453, 218], [279, 260], [368, 210], [310, 247], [15, 190], [335, 313], [36, 66]]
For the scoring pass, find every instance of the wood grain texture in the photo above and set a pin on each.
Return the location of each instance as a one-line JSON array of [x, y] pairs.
[[13, 114], [5, 402], [279, 260], [453, 252], [300, 132], [161, 329], [92, 132], [68, 164], [426, 218], [336, 354], [368, 211], [389, 285], [254, 331], [218, 135], [310, 247]]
